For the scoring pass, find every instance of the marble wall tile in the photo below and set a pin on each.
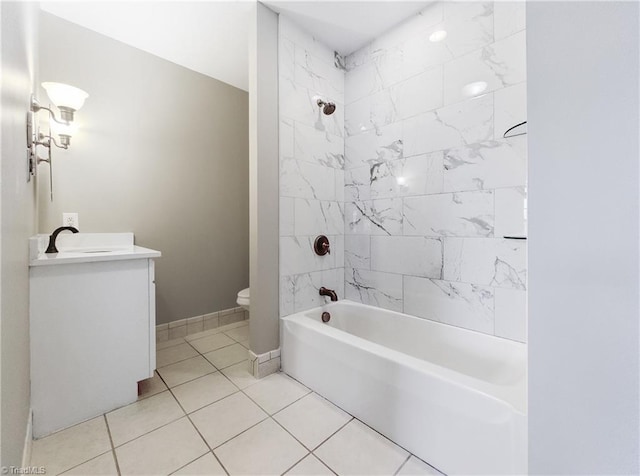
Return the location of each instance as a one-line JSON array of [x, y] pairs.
[[374, 288], [511, 213], [340, 185], [356, 184], [287, 213], [463, 123], [500, 64], [510, 109], [315, 217], [333, 279], [459, 304], [420, 172], [409, 255], [380, 72], [322, 78], [306, 294], [318, 146], [409, 29], [374, 146], [297, 256], [420, 54], [307, 288], [449, 214], [418, 94], [484, 166], [305, 180], [371, 112], [487, 261], [469, 26], [288, 29], [287, 286], [311, 168], [286, 58], [509, 17], [296, 102], [286, 138], [374, 217], [511, 314], [357, 251], [337, 249], [417, 175]]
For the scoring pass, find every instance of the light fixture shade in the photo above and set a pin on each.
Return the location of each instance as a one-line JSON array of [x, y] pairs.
[[65, 96]]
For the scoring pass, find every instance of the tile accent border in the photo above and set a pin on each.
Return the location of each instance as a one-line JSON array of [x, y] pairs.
[[264, 364], [193, 325]]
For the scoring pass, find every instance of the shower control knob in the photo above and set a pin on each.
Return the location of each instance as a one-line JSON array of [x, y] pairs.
[[321, 245]]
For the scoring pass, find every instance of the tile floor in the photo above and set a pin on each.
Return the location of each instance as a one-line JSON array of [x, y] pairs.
[[204, 414]]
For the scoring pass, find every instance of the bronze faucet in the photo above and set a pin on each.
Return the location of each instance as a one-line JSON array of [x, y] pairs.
[[328, 292], [52, 239]]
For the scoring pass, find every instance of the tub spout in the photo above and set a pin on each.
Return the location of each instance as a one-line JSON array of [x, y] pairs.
[[328, 292]]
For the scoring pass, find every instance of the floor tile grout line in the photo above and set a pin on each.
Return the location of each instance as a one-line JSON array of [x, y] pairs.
[[309, 451], [331, 436], [402, 465], [277, 411], [172, 345], [214, 333], [146, 433], [295, 464], [150, 431], [242, 390], [198, 431], [83, 462], [196, 378], [113, 448], [243, 431], [177, 361], [187, 464], [213, 350]]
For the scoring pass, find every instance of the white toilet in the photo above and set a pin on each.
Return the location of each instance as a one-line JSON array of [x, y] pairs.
[[243, 299]]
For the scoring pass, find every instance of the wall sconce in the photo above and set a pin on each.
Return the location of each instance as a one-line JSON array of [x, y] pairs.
[[68, 99]]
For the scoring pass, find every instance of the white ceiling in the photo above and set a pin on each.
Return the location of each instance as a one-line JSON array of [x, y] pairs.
[[347, 26], [208, 37], [211, 37]]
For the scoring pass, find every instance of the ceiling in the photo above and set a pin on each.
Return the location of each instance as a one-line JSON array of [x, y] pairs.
[[347, 26], [208, 37], [211, 37]]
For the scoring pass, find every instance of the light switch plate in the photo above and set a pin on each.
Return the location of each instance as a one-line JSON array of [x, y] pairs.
[[70, 219]]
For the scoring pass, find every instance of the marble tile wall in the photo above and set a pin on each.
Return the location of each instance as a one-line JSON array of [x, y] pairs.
[[311, 168], [431, 187]]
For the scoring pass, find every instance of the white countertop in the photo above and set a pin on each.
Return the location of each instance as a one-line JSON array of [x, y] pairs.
[[87, 248]]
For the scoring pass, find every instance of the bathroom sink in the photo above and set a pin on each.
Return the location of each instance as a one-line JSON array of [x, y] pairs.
[[87, 247]]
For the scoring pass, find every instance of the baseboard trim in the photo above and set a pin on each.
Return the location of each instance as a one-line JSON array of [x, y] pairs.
[[264, 364], [28, 441]]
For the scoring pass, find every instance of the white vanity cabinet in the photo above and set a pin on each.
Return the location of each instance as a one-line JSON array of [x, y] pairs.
[[92, 332]]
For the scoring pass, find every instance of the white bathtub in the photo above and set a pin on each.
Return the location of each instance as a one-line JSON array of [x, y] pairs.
[[453, 397]]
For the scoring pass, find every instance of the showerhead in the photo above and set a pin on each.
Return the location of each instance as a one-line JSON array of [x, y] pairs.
[[328, 108]]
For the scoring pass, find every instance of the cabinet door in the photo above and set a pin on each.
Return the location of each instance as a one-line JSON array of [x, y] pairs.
[[89, 339]]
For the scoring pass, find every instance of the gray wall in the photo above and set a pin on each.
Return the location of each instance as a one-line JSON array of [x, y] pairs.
[[263, 89], [18, 217], [162, 151], [584, 237]]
